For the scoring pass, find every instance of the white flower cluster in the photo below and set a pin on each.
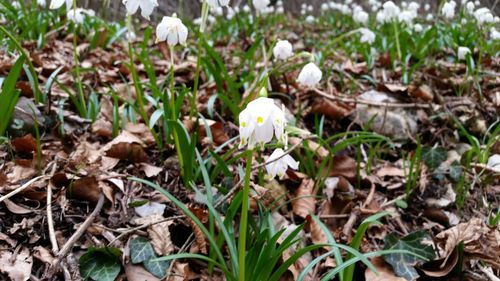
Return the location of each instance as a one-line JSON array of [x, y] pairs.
[[448, 9], [260, 122]]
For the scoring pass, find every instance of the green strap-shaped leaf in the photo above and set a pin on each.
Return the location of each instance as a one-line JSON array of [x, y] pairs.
[[9, 95]]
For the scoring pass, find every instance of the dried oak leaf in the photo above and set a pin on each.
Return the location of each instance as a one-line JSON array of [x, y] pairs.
[[480, 241], [126, 146], [305, 202], [86, 188], [17, 267], [201, 243], [24, 144]]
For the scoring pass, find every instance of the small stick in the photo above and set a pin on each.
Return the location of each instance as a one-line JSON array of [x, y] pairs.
[[489, 272], [130, 230], [79, 232], [372, 103], [23, 187], [50, 219]]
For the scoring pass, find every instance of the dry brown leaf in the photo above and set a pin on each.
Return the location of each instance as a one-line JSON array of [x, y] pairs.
[[334, 110], [43, 255], [16, 209], [201, 243], [6, 238], [86, 188], [304, 203], [385, 272], [138, 273], [159, 234], [422, 92], [441, 267], [24, 144], [17, 267], [141, 131], [318, 236], [344, 166], [391, 171], [150, 170], [480, 241]]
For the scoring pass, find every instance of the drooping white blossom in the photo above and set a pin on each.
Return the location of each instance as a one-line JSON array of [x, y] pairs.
[[390, 10], [260, 5], [278, 167], [147, 7], [172, 30], [469, 7], [310, 75], [448, 9], [56, 4], [283, 50], [41, 3], [78, 15], [418, 28], [360, 16], [462, 52], [367, 36], [484, 15], [260, 121], [494, 34]]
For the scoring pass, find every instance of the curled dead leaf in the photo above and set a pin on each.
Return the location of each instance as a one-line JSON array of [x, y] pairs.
[[384, 270], [480, 241], [305, 202], [24, 144]]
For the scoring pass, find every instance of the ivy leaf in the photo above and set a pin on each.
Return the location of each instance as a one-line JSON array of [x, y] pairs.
[[403, 264], [157, 268], [100, 264], [433, 157], [455, 171], [141, 250]]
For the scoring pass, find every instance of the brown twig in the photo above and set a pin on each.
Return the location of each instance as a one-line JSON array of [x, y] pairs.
[[373, 103], [21, 188], [79, 232], [50, 219], [146, 225]]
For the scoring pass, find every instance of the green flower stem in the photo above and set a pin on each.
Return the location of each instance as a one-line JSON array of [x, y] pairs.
[[396, 34], [137, 84], [204, 16], [244, 216], [174, 112], [19, 47], [76, 61]]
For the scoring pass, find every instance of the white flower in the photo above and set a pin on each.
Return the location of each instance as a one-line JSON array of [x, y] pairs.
[[283, 50], [79, 15], [325, 7], [390, 10], [427, 7], [246, 8], [310, 19], [260, 5], [367, 36], [279, 167], [407, 17], [470, 7], [477, 3], [414, 6], [310, 75], [280, 10], [310, 8], [418, 27], [448, 9], [56, 4], [360, 16], [462, 52], [218, 3], [260, 121], [147, 7], [429, 17], [484, 15], [172, 30], [494, 34], [41, 3]]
